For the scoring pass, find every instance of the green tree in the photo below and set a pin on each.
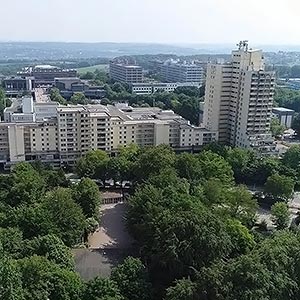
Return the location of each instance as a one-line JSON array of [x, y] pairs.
[[87, 76], [242, 240], [27, 185], [240, 160], [118, 168], [43, 279], [10, 280], [279, 186], [183, 289], [3, 102], [78, 98], [276, 128], [62, 216], [187, 238], [11, 241], [239, 204], [52, 248], [132, 279], [101, 289], [57, 97], [296, 123], [189, 167], [152, 160], [87, 195], [215, 166], [291, 157], [280, 215], [93, 165]]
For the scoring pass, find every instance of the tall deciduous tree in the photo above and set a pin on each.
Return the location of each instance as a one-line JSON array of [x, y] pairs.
[[132, 279], [27, 185], [52, 248], [101, 289], [276, 128], [93, 165], [62, 216], [291, 157], [280, 215], [152, 160], [87, 195], [280, 186], [10, 280], [215, 166], [183, 289]]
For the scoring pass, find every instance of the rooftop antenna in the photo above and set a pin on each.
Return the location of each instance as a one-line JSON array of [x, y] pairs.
[[243, 45]]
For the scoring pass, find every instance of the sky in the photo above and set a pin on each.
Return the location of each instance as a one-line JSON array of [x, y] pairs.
[[160, 21]]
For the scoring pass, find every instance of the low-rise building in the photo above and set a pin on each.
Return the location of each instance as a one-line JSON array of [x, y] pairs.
[[45, 74], [15, 86], [284, 115], [149, 88], [69, 86]]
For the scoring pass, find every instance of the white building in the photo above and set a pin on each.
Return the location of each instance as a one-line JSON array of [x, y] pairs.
[[61, 134], [284, 115], [125, 72], [149, 88], [177, 71], [239, 99]]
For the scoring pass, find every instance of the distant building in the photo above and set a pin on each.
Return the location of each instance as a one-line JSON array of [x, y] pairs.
[[45, 74], [291, 83], [174, 71], [14, 86], [69, 86], [239, 100], [149, 88], [284, 115], [125, 73]]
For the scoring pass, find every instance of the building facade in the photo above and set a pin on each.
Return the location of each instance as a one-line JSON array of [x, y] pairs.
[[149, 88], [45, 74], [69, 86], [284, 115], [174, 71], [16, 85], [125, 73], [61, 134], [239, 99]]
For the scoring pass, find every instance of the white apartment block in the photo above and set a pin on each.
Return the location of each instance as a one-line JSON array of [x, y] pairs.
[[61, 134], [125, 73], [239, 99], [149, 88]]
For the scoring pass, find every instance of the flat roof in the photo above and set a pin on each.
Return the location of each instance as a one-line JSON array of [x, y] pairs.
[[282, 109]]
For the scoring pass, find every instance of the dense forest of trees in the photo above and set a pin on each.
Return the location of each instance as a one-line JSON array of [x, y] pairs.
[[193, 220]]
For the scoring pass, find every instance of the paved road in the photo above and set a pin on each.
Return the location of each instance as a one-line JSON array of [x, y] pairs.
[[294, 208], [108, 245], [112, 232]]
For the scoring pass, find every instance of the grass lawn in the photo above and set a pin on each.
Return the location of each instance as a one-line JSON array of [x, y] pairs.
[[92, 68]]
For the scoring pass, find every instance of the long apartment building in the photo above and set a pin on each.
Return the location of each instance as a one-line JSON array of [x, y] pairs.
[[239, 99], [149, 88], [127, 73], [175, 71], [61, 134]]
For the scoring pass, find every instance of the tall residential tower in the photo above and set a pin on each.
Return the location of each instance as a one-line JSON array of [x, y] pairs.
[[239, 99]]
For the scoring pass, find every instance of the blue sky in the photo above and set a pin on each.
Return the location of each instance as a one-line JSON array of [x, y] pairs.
[[162, 21]]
